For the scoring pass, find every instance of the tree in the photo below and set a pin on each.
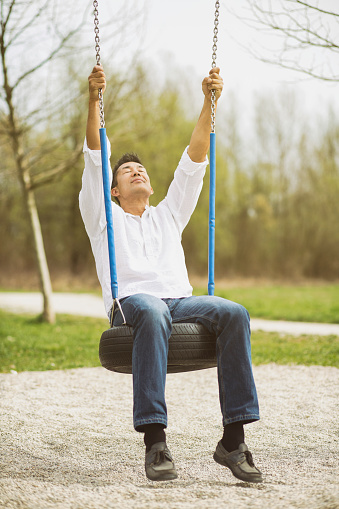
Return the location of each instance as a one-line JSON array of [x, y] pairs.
[[19, 23], [307, 34]]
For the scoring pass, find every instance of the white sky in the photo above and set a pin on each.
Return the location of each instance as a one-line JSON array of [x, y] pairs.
[[180, 32]]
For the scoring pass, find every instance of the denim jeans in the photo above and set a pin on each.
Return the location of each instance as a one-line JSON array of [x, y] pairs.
[[152, 318]]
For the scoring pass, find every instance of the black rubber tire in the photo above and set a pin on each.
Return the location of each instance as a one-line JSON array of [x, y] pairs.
[[191, 347]]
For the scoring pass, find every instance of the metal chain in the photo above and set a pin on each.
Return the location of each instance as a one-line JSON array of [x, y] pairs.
[[214, 57], [97, 50]]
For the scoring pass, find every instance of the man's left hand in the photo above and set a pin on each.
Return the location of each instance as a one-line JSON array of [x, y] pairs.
[[213, 82]]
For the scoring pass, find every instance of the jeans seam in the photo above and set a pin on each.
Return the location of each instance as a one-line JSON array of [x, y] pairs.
[[244, 417], [150, 420], [221, 381]]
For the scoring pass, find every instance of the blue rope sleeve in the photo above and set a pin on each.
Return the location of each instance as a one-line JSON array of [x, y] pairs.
[[108, 209], [211, 219]]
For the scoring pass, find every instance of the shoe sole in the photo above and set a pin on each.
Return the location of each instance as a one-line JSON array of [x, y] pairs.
[[169, 476], [217, 459]]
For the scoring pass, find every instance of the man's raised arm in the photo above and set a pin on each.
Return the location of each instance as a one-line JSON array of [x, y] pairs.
[[200, 139], [96, 80]]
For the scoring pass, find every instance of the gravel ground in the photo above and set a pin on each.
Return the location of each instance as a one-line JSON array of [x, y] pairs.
[[67, 442]]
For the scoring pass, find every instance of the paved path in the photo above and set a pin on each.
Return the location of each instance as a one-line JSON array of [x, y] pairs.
[[90, 305]]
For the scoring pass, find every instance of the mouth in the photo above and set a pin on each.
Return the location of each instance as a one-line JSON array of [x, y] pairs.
[[137, 180]]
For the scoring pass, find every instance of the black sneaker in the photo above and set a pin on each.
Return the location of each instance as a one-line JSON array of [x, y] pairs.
[[159, 464], [240, 462]]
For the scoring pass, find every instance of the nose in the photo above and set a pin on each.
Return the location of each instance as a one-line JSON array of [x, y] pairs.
[[136, 172]]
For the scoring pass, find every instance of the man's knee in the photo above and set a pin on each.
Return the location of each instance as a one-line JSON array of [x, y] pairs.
[[241, 312], [234, 312], [151, 309]]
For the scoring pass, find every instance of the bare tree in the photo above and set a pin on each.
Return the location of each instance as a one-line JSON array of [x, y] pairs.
[[307, 35], [23, 24]]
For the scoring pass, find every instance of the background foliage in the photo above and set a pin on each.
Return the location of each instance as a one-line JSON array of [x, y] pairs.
[[277, 193]]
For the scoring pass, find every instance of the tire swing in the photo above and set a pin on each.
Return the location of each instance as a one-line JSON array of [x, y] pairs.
[[191, 346]]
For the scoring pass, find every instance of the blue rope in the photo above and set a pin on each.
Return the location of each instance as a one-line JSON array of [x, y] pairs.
[[108, 209], [211, 219]]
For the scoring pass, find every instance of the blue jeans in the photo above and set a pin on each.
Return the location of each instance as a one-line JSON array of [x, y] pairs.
[[152, 318]]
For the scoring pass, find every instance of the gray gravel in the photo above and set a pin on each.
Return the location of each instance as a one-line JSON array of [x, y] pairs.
[[67, 442]]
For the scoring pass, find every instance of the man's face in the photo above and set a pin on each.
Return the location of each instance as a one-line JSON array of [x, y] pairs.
[[132, 182]]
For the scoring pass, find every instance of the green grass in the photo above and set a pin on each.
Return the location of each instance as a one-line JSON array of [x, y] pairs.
[[286, 349], [28, 345], [295, 303]]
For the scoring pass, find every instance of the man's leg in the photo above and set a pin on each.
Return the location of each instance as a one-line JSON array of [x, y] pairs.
[[152, 327], [238, 397], [230, 323]]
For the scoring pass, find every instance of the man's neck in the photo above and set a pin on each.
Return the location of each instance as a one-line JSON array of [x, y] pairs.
[[136, 208]]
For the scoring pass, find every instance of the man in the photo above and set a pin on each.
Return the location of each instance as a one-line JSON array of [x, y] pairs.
[[154, 290]]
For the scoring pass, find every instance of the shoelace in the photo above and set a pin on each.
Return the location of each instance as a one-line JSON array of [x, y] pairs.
[[249, 458]]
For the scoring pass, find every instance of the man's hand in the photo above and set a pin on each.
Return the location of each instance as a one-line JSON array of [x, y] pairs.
[[213, 82], [200, 139], [96, 80]]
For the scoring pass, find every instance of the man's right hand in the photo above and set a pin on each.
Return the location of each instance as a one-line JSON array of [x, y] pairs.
[[96, 80]]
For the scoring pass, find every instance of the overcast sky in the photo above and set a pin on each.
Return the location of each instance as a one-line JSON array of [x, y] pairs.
[[180, 32]]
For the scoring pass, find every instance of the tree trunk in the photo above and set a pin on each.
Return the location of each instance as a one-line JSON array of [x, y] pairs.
[[29, 198], [48, 314]]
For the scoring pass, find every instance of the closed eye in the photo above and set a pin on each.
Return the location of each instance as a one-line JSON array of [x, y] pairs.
[[126, 170]]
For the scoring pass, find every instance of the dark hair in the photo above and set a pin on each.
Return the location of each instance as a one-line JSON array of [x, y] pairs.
[[129, 157]]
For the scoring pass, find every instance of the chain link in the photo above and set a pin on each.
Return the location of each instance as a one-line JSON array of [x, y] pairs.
[[97, 50], [214, 58]]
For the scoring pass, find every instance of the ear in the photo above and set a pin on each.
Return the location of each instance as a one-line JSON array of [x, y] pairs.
[[152, 192], [115, 192]]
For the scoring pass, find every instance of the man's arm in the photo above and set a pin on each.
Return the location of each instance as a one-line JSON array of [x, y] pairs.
[[200, 139], [96, 80]]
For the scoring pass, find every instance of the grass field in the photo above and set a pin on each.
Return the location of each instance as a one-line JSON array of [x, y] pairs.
[[28, 345], [282, 302], [305, 302]]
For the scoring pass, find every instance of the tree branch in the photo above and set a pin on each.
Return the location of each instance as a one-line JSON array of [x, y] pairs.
[[4, 23], [61, 45], [22, 29], [294, 67], [309, 6], [50, 176], [302, 30]]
